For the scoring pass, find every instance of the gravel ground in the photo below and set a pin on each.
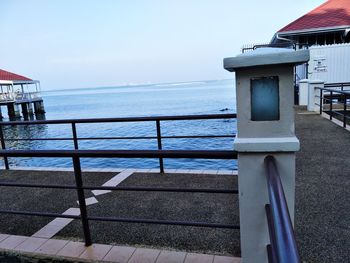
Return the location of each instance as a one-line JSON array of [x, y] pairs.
[[200, 207], [38, 200], [322, 220], [213, 208]]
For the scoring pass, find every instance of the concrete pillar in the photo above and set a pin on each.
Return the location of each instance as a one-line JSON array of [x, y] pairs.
[[265, 125], [314, 95], [303, 92], [39, 107], [13, 110]]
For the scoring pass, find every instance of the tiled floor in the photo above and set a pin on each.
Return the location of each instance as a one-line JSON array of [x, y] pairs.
[[106, 253]]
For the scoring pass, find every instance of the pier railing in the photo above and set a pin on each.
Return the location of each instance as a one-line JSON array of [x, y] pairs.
[[76, 138], [333, 99], [76, 154], [282, 247], [6, 97], [27, 96], [79, 187]]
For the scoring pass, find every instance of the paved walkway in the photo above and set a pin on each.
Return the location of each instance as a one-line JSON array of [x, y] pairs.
[[34, 249], [322, 220]]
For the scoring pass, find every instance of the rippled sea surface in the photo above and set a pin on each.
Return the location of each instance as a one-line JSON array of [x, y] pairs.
[[207, 97]]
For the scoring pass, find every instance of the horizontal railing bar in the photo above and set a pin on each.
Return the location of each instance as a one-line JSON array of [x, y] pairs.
[[335, 111], [124, 220], [338, 84], [122, 188], [195, 154], [39, 139], [125, 119], [334, 90], [163, 222], [44, 214], [338, 113], [121, 138], [334, 103]]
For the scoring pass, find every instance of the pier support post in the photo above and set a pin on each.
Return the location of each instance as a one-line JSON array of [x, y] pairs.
[[265, 125], [13, 110], [39, 107], [27, 109], [314, 95]]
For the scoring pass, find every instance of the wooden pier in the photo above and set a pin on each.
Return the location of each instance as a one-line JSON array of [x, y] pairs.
[[20, 95]]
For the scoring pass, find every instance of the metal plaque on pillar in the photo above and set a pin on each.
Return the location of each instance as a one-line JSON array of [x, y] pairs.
[[264, 100]]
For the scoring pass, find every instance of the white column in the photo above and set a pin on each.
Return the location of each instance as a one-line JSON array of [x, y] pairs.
[[303, 92], [314, 95], [262, 132]]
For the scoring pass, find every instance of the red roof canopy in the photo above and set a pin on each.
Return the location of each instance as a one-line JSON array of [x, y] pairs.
[[332, 14], [6, 75]]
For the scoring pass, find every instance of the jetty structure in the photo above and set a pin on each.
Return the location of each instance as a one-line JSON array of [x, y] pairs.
[[20, 94]]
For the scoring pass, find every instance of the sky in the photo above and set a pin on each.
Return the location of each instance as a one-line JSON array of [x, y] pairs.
[[70, 44]]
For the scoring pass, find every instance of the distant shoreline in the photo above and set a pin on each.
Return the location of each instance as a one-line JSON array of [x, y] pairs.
[[165, 84]]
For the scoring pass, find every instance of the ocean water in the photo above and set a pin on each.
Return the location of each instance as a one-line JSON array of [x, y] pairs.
[[206, 97]]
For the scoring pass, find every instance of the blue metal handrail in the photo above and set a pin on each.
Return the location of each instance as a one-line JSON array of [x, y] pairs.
[[283, 247]]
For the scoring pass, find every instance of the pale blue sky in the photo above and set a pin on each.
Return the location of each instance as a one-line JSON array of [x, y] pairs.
[[89, 43]]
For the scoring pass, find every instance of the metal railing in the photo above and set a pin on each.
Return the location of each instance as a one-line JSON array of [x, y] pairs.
[[252, 47], [333, 100], [282, 247], [27, 96], [76, 154], [156, 119], [341, 85], [7, 97]]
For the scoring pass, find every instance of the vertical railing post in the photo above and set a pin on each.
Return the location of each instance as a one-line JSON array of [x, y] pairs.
[[3, 146], [331, 106], [321, 100], [80, 191], [159, 141], [344, 109], [265, 125], [75, 137], [81, 199]]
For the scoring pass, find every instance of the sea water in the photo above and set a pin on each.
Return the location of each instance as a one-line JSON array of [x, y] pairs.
[[203, 97]]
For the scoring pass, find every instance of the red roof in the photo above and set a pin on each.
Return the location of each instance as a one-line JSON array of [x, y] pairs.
[[333, 13], [5, 75]]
